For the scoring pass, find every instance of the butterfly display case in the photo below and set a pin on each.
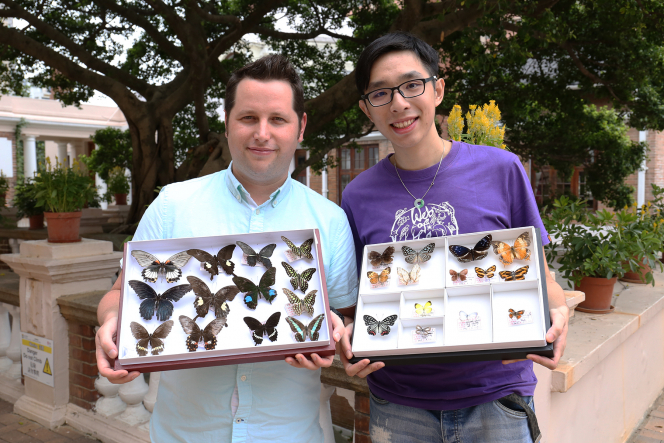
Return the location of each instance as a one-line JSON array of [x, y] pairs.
[[208, 301], [468, 297]]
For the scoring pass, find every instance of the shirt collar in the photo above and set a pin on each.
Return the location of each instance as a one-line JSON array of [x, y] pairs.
[[241, 194]]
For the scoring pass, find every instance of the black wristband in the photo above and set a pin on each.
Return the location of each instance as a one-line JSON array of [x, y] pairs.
[[341, 316]]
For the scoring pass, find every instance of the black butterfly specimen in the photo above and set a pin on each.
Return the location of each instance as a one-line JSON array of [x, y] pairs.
[[412, 256], [302, 251], [170, 269], [254, 257], [258, 329], [253, 292], [480, 251], [302, 305], [300, 280], [195, 335], [154, 340], [381, 327], [161, 304], [206, 299], [212, 263], [301, 331], [378, 259]]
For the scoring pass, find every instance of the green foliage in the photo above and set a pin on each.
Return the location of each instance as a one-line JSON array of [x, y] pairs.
[[25, 200], [117, 183], [113, 150], [60, 189], [4, 183]]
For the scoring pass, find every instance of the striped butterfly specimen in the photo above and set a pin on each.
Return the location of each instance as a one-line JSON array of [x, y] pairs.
[[379, 327], [207, 335], [155, 340], [480, 251], [381, 278], [409, 278], [254, 257], [169, 269], [299, 279], [302, 305], [302, 251], [206, 299], [258, 329], [253, 291], [160, 304], [378, 259], [507, 254], [412, 256], [424, 310], [301, 331], [485, 273], [212, 263], [459, 276], [519, 274], [517, 314]]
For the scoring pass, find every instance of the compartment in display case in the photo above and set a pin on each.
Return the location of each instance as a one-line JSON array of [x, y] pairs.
[[517, 314], [468, 316]]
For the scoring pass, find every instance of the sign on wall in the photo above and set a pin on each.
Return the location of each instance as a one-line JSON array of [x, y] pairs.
[[37, 358]]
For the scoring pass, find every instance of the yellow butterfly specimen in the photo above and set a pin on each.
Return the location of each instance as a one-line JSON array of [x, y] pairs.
[[423, 310], [376, 278], [485, 273], [507, 254], [409, 278], [519, 274]]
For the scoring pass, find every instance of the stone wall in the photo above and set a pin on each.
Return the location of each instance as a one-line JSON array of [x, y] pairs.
[[82, 366]]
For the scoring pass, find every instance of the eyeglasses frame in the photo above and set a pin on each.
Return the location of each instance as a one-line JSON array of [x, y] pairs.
[[425, 80]]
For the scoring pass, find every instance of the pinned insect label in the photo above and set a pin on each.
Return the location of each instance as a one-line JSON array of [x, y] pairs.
[[518, 318], [424, 334], [469, 322]]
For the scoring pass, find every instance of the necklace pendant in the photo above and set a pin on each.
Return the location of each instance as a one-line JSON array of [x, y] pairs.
[[419, 203]]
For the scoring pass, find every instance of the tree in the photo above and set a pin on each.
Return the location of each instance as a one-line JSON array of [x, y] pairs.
[[113, 150]]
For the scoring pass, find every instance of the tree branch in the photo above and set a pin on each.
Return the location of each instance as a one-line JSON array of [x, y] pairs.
[[303, 36], [568, 47], [331, 103], [213, 18]]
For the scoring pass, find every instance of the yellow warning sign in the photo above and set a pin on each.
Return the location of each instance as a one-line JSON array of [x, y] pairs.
[[47, 368], [37, 358]]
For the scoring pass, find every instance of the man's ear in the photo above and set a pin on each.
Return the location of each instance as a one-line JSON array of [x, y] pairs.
[[363, 107], [303, 125], [440, 90], [226, 126]]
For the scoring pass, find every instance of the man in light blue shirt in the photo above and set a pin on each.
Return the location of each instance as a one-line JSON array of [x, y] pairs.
[[273, 401]]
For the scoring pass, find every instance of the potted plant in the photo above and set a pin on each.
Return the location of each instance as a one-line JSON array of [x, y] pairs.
[[118, 186], [642, 227], [25, 203]]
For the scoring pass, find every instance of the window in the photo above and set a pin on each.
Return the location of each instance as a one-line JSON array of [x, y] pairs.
[[359, 158], [345, 179], [300, 158], [373, 155], [344, 162], [354, 161]]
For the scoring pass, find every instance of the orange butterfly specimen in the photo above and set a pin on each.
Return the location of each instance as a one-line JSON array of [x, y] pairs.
[[376, 278], [461, 275], [519, 274], [516, 314], [485, 273], [507, 254]]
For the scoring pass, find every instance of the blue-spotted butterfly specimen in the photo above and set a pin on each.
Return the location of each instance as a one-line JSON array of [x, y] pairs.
[[155, 340], [253, 291], [299, 279], [480, 251], [212, 263], [169, 269], [254, 257], [160, 304], [302, 332], [412, 256], [302, 305], [379, 327], [195, 335], [258, 329], [302, 251], [206, 299]]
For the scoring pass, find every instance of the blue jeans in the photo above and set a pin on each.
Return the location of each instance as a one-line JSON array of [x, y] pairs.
[[499, 421]]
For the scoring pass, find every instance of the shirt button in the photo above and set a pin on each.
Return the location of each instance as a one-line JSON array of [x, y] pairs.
[[239, 420], [243, 378], [274, 203], [258, 211]]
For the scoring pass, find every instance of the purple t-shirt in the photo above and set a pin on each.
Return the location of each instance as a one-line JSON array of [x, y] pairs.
[[478, 188]]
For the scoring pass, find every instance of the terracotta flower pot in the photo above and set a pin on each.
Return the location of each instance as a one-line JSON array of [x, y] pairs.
[[36, 221], [639, 276], [120, 199], [599, 292], [63, 227]]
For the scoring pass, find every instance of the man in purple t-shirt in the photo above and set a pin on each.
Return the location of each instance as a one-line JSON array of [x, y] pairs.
[[433, 187]]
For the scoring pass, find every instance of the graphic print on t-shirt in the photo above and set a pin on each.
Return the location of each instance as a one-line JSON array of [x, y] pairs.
[[432, 220]]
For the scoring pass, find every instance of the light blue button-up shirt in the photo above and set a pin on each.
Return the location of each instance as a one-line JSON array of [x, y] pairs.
[[276, 402]]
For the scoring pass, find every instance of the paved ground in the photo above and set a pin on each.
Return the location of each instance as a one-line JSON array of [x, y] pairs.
[[651, 430]]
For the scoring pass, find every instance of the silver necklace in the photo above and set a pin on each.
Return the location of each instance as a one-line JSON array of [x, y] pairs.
[[419, 202]]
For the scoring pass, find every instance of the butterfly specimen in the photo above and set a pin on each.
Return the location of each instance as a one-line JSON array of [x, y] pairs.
[[155, 339], [160, 304], [409, 278], [517, 314], [212, 263], [205, 299], [480, 251], [412, 256], [258, 329], [424, 332], [507, 254], [378, 259], [381, 278], [302, 305], [170, 269], [485, 273], [301, 331], [253, 292], [423, 310], [302, 251], [473, 316], [254, 257], [459, 276], [519, 274], [299, 279], [381, 327], [195, 335]]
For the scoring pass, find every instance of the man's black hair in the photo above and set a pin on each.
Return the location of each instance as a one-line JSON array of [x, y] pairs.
[[395, 41]]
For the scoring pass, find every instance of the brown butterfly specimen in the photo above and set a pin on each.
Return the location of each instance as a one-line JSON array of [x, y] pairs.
[[517, 314], [507, 254], [376, 278], [485, 273], [460, 276], [378, 259], [519, 274]]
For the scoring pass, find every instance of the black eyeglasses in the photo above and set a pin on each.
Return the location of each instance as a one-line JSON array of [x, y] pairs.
[[409, 89]]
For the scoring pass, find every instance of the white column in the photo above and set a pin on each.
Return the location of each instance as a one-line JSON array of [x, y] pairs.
[[324, 180], [29, 156], [109, 404], [14, 351], [151, 397], [101, 185], [133, 393], [5, 338], [641, 180], [62, 154]]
